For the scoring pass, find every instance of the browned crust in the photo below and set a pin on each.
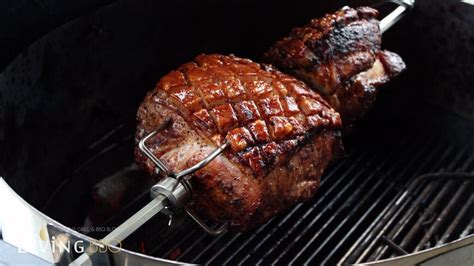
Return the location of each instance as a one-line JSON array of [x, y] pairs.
[[339, 56], [332, 48], [288, 166]]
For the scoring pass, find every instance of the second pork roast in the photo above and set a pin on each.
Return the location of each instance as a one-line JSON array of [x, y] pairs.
[[339, 56]]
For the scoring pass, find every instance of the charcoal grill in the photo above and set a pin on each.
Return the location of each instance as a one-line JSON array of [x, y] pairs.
[[404, 187]]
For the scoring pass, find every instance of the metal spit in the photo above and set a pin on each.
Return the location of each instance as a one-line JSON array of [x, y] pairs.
[[174, 190]]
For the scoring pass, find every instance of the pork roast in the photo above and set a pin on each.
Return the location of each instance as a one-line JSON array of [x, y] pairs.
[[339, 56], [282, 136]]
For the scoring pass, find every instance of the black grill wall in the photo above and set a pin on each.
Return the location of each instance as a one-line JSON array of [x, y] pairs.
[[87, 77]]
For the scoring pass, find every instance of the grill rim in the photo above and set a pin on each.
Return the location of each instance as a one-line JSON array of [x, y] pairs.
[[446, 246]]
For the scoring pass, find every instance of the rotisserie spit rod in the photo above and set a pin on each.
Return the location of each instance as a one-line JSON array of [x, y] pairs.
[[174, 191], [128, 227], [396, 15]]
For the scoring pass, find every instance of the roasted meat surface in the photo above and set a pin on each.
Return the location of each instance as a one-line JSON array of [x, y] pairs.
[[282, 136], [340, 57]]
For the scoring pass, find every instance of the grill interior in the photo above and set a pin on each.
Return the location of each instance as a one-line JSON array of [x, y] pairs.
[[395, 193], [68, 136]]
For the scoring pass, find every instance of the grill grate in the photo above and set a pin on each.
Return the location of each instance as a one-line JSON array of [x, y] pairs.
[[424, 223], [370, 206]]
